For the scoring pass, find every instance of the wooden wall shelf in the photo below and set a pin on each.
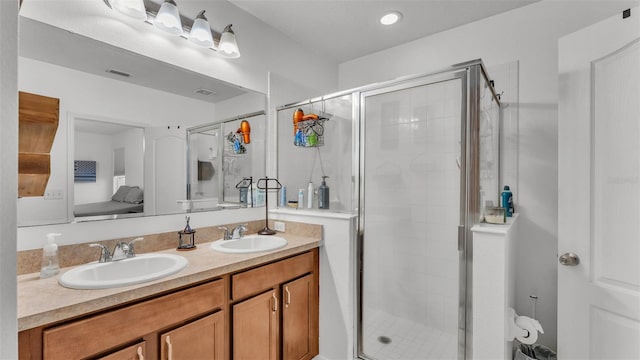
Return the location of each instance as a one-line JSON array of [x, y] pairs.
[[38, 122]]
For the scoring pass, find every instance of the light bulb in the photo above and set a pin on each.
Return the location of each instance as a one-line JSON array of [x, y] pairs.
[[201, 31], [228, 47], [131, 8], [168, 18]]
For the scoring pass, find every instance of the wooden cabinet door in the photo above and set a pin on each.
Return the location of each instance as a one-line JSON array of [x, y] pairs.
[[200, 339], [255, 328], [133, 352], [300, 319]]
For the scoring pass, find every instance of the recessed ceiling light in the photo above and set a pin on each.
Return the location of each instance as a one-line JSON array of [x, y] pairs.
[[390, 18]]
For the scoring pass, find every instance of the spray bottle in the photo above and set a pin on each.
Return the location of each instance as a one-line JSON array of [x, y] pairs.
[[50, 265]]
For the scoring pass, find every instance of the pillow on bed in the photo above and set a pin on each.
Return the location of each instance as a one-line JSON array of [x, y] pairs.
[[121, 193], [134, 196]]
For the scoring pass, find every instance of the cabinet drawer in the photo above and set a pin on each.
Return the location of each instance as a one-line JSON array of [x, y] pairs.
[[259, 279], [99, 333], [133, 352]]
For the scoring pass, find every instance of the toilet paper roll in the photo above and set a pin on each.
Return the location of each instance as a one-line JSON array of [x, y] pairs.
[[530, 325]]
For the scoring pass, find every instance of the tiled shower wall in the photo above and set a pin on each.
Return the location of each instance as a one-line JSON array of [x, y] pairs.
[[412, 204]]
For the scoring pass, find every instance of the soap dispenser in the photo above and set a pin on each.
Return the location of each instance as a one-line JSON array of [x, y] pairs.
[[50, 265], [323, 194]]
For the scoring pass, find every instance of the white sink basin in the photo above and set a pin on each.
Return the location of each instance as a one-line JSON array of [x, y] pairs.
[[136, 270], [249, 244]]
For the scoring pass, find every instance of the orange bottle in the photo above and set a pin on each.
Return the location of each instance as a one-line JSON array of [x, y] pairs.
[[297, 117]]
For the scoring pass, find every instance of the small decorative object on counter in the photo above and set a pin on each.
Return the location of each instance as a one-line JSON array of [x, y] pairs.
[[50, 265], [187, 237], [495, 215], [506, 200]]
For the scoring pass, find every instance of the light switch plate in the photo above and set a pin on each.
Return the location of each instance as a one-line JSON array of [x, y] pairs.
[[53, 194], [279, 226]]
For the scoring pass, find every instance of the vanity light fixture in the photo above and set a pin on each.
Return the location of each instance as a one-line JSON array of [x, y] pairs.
[[132, 8], [166, 17], [228, 45], [200, 33], [391, 18]]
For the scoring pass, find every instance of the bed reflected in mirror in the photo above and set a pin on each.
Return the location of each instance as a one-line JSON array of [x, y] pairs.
[[108, 174]]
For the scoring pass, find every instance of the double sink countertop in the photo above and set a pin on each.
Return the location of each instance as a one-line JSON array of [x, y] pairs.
[[44, 301]]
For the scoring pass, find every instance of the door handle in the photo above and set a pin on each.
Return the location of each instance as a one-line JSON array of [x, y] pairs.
[[569, 259]]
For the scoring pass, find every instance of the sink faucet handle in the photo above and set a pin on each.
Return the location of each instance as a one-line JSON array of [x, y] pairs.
[[132, 250], [105, 256], [226, 232]]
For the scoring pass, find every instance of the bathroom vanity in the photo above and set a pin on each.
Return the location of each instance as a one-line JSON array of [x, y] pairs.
[[221, 306]]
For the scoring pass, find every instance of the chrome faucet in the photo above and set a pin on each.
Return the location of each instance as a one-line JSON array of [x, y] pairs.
[[239, 231], [122, 250]]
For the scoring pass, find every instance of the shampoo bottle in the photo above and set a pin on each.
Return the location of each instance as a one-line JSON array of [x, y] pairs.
[[323, 194], [507, 201], [301, 199], [310, 195], [50, 265], [283, 196]]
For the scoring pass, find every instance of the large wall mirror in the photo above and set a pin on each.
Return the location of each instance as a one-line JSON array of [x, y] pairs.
[[121, 148]]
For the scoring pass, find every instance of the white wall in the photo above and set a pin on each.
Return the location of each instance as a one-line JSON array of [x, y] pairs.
[[528, 35], [94, 147], [9, 178]]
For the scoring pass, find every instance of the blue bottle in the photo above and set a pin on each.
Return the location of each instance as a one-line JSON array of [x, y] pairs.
[[506, 199]]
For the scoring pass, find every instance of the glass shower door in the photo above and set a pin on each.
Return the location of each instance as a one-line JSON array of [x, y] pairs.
[[410, 302]]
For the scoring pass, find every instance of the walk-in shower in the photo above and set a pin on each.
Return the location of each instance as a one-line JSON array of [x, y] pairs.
[[415, 159]]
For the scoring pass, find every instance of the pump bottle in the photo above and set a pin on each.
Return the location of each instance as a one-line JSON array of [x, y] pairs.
[[323, 194], [50, 265]]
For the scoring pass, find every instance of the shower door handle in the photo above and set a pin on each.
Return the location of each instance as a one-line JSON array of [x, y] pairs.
[[460, 237]]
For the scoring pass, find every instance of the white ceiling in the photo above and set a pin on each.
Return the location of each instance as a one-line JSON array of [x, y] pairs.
[[347, 29]]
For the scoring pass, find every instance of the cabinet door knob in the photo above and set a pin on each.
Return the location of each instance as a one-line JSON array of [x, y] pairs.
[[169, 348], [286, 289], [140, 354]]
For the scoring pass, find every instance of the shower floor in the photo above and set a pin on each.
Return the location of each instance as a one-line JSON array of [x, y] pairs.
[[388, 337]]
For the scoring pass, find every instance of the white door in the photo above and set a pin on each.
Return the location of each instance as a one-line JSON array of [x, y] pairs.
[[166, 164], [599, 191]]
